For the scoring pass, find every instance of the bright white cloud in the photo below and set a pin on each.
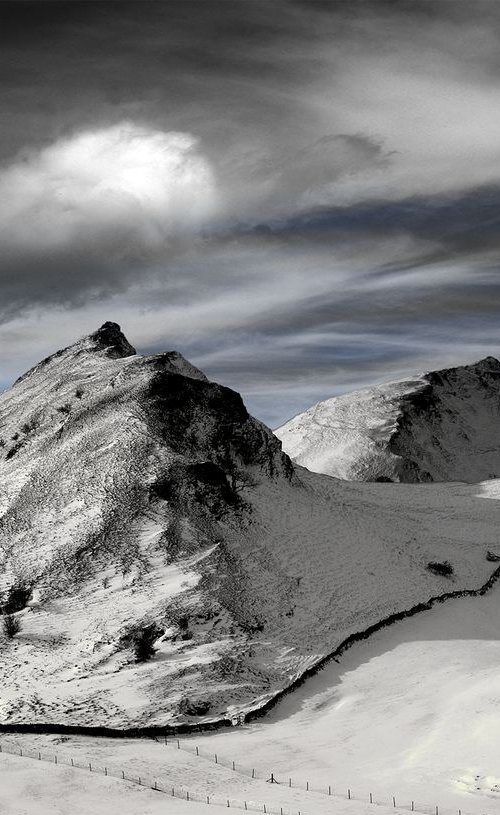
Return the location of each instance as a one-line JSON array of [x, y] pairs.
[[127, 187]]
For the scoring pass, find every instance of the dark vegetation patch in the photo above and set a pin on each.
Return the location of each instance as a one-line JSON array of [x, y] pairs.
[[180, 619], [194, 707], [30, 425], [141, 639], [17, 598], [11, 626], [14, 449], [444, 568]]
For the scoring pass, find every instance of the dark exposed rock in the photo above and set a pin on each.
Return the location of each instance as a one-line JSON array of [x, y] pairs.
[[428, 414], [109, 338], [197, 415]]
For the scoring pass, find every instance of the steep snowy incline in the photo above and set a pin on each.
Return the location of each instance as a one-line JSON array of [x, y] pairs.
[[442, 426], [144, 512]]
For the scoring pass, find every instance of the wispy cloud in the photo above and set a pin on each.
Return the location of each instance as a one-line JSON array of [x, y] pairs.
[[302, 196]]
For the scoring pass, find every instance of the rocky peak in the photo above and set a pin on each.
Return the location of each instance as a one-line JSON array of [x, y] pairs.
[[110, 338]]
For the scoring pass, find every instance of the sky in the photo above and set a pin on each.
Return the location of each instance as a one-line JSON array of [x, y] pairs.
[[302, 197]]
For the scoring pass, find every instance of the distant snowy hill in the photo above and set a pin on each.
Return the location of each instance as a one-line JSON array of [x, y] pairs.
[[442, 426], [140, 503]]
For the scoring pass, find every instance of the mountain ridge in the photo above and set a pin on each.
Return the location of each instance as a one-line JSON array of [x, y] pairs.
[[435, 427]]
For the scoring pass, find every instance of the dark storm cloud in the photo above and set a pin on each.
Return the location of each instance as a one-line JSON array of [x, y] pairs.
[[287, 189]]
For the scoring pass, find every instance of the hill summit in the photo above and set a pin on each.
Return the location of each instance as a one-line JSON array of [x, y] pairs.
[[441, 426]]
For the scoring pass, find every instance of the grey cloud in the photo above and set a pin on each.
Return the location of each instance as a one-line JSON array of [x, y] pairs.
[[354, 150]]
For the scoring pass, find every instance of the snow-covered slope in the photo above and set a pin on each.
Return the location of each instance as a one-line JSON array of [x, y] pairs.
[[140, 502], [442, 426]]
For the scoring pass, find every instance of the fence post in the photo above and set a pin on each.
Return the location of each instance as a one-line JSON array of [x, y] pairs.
[[166, 740], [139, 780], [228, 803], [349, 794], [253, 773], [72, 764], [197, 751], [55, 759], [178, 744], [413, 806], [265, 808], [173, 793], [329, 790], [123, 774], [208, 799], [39, 756], [371, 798], [187, 796], [215, 757], [105, 771], [90, 767], [234, 766], [20, 751], [437, 810], [394, 802], [307, 786], [245, 804]]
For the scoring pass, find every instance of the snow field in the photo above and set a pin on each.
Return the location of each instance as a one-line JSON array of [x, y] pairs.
[[412, 712], [32, 788], [221, 785]]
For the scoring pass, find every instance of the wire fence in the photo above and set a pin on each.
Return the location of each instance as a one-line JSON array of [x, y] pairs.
[[151, 783], [334, 791], [182, 792]]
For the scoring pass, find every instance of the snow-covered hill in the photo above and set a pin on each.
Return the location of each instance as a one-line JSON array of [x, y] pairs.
[[442, 426], [140, 503]]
